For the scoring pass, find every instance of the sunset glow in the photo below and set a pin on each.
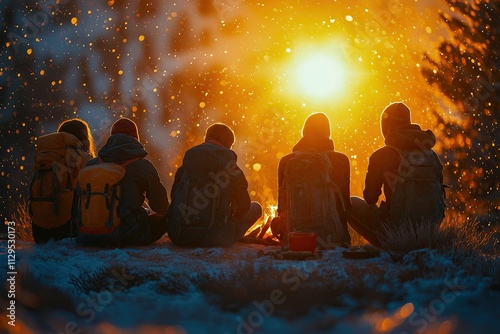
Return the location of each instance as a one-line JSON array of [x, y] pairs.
[[320, 76], [372, 124]]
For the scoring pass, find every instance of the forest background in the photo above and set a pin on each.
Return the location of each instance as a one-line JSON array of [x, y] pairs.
[[176, 67]]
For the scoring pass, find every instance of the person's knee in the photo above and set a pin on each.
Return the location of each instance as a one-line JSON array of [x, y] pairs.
[[357, 201], [360, 205], [357, 206], [256, 209]]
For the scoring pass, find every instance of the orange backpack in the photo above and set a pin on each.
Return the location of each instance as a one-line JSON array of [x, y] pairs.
[[59, 157], [100, 196]]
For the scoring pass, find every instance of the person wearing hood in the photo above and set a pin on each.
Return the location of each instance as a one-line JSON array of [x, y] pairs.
[[140, 223], [211, 206], [316, 137], [400, 135]]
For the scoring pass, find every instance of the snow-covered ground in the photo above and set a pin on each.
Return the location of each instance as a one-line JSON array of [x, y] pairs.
[[63, 288]]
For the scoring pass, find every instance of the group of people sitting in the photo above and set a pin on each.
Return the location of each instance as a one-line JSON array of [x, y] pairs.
[[115, 198]]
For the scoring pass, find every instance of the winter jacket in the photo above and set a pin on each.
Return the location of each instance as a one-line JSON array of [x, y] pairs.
[[340, 172], [384, 162], [207, 162], [141, 181]]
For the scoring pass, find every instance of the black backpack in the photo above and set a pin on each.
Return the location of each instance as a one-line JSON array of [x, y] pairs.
[[311, 198], [418, 193], [202, 197]]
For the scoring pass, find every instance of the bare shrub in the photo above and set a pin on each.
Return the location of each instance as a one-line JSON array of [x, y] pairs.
[[464, 239], [468, 243], [23, 222], [173, 284], [460, 240], [301, 289], [401, 239], [106, 278]]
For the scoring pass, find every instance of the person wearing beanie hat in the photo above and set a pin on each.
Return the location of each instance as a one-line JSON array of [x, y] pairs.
[[141, 223], [316, 137], [211, 206], [317, 124], [125, 126], [394, 116], [401, 135]]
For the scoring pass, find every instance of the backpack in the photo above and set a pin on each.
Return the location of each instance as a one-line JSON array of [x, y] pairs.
[[202, 199], [100, 196], [58, 159], [310, 198], [418, 193], [201, 203]]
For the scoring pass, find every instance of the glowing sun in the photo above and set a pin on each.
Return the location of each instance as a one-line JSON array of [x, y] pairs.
[[320, 76]]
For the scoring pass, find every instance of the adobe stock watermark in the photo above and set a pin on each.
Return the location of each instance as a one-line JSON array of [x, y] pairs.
[[265, 137], [226, 8], [408, 165], [372, 29], [32, 25], [11, 273], [92, 305], [419, 167], [483, 89], [138, 93], [202, 199], [73, 161], [264, 309], [421, 318]]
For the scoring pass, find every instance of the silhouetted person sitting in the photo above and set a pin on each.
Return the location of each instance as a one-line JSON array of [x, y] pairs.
[[210, 201], [114, 187], [59, 157], [314, 190], [407, 170]]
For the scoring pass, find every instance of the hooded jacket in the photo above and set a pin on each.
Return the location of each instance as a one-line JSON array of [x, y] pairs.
[[340, 171], [384, 162], [141, 181], [211, 156], [210, 161]]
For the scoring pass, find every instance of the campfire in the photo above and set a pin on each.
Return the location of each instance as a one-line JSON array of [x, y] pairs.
[[262, 228]]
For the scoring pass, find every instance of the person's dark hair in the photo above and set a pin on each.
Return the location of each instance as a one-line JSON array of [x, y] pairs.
[[221, 133], [81, 130]]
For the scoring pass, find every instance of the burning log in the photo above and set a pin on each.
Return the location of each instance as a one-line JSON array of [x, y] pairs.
[[262, 231], [269, 241], [254, 233], [265, 228]]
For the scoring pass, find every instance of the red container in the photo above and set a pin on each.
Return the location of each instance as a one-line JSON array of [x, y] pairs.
[[302, 241]]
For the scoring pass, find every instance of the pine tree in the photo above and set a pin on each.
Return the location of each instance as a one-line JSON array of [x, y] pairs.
[[466, 72]]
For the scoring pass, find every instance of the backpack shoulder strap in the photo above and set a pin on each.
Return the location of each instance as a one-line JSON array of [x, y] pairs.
[[335, 186], [124, 164], [400, 151], [128, 162]]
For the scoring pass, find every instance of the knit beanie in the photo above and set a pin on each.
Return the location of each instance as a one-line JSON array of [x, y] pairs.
[[221, 133], [317, 124], [394, 116], [125, 126]]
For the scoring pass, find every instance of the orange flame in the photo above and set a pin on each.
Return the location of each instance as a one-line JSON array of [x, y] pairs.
[[270, 211]]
